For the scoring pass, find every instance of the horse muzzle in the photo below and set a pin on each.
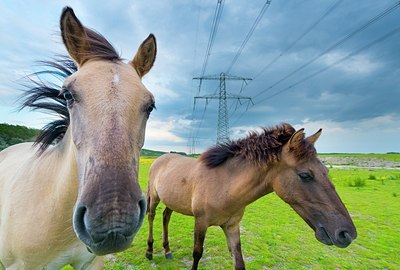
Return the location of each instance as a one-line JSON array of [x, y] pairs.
[[341, 237], [103, 238]]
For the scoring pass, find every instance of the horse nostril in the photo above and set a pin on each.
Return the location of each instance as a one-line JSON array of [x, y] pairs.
[[344, 237], [142, 205], [142, 209], [79, 223], [79, 216]]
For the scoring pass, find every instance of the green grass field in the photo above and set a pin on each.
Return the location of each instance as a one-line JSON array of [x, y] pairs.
[[275, 237]]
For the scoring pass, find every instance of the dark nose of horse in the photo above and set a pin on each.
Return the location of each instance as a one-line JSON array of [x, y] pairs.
[[343, 238], [104, 238]]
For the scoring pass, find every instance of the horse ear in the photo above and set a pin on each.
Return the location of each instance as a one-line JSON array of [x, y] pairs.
[[296, 138], [145, 56], [313, 138], [74, 36]]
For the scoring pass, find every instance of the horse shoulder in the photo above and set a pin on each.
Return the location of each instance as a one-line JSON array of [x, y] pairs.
[[11, 160], [31, 234]]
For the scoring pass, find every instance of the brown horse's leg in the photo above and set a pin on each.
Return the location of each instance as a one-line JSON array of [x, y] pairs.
[[166, 217], [152, 205], [200, 230], [232, 233]]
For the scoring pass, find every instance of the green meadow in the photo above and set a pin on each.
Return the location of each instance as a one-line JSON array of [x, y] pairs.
[[275, 237]]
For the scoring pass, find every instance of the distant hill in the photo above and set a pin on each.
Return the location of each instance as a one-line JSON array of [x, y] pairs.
[[151, 153], [13, 134]]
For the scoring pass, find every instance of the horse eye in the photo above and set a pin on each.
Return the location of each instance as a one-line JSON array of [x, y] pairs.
[[306, 177], [68, 96], [151, 108]]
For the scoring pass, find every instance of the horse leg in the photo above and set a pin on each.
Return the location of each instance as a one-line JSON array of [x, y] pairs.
[[200, 229], [166, 217], [152, 205], [232, 233]]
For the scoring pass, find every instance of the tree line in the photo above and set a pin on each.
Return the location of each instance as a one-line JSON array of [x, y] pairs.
[[13, 134]]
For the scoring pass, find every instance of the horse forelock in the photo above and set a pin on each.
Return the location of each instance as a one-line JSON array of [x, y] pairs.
[[99, 47], [257, 148], [303, 150]]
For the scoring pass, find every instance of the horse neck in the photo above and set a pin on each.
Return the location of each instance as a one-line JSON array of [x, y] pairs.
[[249, 181], [63, 159]]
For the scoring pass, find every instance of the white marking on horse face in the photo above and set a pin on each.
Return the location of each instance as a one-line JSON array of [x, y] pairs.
[[115, 78]]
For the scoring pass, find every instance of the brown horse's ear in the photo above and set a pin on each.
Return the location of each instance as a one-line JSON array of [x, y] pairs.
[[145, 56], [313, 138], [296, 138], [74, 36]]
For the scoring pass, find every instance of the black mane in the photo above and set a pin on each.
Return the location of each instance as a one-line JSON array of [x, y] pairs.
[[44, 95], [258, 148]]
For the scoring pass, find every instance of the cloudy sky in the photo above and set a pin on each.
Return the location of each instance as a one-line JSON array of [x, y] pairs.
[[331, 64]]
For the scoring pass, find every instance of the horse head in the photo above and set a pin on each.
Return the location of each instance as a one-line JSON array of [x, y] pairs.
[[302, 181], [108, 107]]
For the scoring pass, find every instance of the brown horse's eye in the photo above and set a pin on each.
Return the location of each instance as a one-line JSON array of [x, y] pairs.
[[306, 177]]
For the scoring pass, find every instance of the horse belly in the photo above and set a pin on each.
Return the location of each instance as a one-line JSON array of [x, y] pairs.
[[177, 199]]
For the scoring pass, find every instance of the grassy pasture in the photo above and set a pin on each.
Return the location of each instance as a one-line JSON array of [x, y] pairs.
[[275, 237]]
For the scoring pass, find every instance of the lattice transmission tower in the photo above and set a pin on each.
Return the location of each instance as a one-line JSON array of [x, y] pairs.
[[222, 96]]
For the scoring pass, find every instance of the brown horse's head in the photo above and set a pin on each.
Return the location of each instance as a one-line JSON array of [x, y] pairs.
[[109, 107], [303, 182]]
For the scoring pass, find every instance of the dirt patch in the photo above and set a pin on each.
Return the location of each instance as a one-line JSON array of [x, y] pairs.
[[360, 162]]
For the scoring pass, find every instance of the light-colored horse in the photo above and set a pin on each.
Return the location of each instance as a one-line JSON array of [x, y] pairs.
[[217, 187], [72, 202]]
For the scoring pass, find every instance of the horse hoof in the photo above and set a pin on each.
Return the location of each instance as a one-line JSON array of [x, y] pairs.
[[149, 256], [168, 256]]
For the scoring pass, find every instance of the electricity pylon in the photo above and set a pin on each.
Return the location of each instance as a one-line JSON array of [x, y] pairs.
[[222, 96]]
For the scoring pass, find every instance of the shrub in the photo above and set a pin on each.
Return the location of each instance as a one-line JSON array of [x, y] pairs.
[[357, 182], [372, 177]]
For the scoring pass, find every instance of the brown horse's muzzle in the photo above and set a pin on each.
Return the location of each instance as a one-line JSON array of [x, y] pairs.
[[331, 227], [109, 211], [340, 237]]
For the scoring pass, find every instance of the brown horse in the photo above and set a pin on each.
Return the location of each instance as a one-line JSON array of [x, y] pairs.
[[216, 188], [77, 196]]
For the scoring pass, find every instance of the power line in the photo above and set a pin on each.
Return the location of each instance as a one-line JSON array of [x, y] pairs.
[[214, 29], [249, 34], [223, 127], [391, 33], [308, 30], [312, 75], [339, 42], [213, 33], [202, 118]]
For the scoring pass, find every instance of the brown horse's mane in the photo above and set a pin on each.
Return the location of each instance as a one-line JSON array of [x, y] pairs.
[[42, 93], [257, 148]]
